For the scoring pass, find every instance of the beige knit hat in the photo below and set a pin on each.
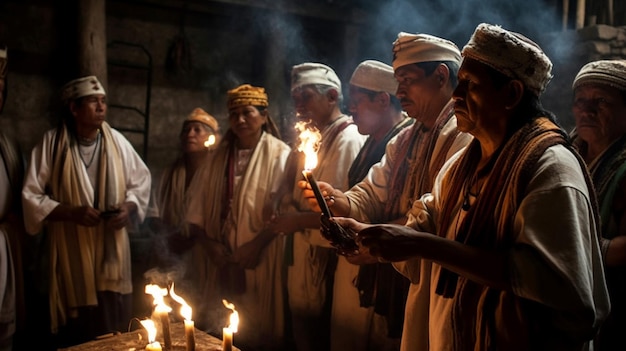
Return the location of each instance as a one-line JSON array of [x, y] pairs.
[[200, 115], [375, 76], [604, 72], [511, 54], [415, 48], [313, 73], [80, 87]]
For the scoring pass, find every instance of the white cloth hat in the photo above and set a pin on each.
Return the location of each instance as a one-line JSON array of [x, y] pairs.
[[511, 54], [3, 62], [604, 72], [375, 76], [80, 87], [415, 48], [313, 73]]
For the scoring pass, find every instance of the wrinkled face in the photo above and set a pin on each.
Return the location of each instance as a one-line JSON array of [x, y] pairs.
[[194, 135], [311, 105], [416, 91], [246, 122], [90, 112], [366, 110], [600, 114], [478, 102]]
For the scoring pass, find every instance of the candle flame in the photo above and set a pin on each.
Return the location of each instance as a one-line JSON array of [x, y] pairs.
[[185, 309], [234, 316], [210, 141], [148, 324], [309, 137], [158, 294]]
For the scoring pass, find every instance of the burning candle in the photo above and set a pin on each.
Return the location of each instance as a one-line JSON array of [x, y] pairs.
[[185, 311], [162, 311], [227, 332], [309, 144], [153, 345]]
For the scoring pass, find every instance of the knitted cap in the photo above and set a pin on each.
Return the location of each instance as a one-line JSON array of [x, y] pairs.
[[199, 115], [313, 73], [245, 95], [511, 54], [415, 48], [375, 76], [80, 87], [604, 72]]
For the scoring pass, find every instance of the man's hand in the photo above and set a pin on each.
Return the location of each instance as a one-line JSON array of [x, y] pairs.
[[335, 199], [85, 215], [122, 218], [393, 242]]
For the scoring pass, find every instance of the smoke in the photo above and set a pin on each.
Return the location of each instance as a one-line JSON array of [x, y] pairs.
[[452, 20]]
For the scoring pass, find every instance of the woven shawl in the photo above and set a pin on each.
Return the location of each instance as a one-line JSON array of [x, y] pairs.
[[74, 248], [489, 224]]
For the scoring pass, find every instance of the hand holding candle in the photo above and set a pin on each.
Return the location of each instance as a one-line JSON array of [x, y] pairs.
[[227, 332], [185, 311]]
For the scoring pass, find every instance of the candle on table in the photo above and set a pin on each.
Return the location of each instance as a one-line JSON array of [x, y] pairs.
[[185, 311], [162, 311], [153, 345], [227, 332]]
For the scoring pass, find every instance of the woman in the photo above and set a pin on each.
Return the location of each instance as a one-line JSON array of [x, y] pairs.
[[198, 138], [245, 257]]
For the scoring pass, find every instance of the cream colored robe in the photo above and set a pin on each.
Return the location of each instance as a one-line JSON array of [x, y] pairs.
[[261, 307], [368, 200], [78, 266]]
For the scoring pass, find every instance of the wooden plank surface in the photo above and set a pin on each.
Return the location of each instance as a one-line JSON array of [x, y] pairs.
[[137, 340]]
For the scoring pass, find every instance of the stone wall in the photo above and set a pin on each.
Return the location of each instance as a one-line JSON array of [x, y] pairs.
[[569, 51]]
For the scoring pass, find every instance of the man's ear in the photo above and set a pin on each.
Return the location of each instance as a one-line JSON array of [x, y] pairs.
[[383, 98], [73, 107], [443, 74], [515, 93], [332, 95]]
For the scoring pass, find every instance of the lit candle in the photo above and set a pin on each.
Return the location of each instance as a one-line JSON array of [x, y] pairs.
[[162, 311], [153, 345], [227, 332], [185, 311]]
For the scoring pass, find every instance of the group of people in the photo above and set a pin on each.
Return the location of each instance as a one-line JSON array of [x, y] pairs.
[[481, 224]]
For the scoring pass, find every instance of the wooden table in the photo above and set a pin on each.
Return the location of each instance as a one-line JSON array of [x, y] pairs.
[[137, 340]]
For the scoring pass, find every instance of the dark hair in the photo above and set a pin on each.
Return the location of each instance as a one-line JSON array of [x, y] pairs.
[[430, 67], [529, 107]]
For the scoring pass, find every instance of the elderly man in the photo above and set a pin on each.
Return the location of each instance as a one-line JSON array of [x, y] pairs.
[[599, 109], [84, 185], [425, 67], [316, 94], [378, 114], [516, 260]]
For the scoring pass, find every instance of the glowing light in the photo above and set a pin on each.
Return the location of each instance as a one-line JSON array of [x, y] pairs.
[[309, 137]]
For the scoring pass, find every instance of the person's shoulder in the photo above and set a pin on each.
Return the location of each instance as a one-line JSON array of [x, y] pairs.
[[557, 167]]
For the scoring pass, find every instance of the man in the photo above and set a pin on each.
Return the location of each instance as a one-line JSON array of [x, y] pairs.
[[425, 68], [378, 114], [84, 185], [600, 136], [12, 308], [316, 94], [516, 260]]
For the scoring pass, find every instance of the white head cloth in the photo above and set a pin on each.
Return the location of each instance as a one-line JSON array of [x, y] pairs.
[[415, 48], [80, 87], [375, 76], [313, 73]]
